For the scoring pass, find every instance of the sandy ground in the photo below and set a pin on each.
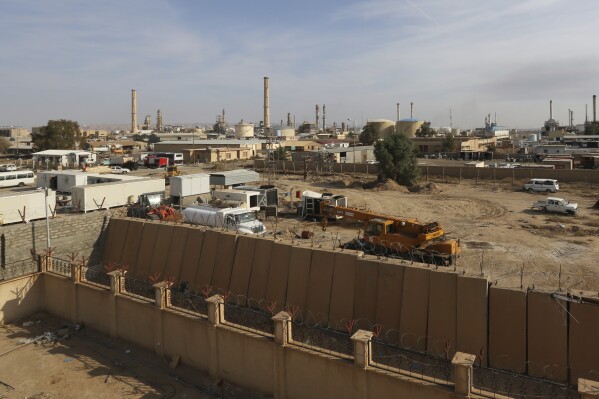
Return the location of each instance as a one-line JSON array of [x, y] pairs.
[[89, 365], [498, 231], [501, 236]]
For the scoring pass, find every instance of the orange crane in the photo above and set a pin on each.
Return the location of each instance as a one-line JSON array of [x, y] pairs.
[[399, 236]]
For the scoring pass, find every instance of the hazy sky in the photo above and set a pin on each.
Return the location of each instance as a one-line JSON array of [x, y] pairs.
[[191, 58]]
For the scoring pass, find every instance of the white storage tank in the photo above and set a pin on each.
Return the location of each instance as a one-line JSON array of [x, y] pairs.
[[243, 130]]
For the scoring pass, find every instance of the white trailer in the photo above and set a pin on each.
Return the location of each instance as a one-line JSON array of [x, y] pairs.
[[241, 220], [241, 199], [108, 195], [187, 185], [19, 205]]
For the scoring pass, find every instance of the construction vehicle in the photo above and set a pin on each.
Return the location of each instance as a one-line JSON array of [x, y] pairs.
[[171, 171], [394, 236], [151, 206]]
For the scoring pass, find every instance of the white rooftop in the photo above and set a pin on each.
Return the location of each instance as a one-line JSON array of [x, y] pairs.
[[58, 153]]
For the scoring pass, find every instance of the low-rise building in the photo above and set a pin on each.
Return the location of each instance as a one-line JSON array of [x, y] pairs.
[[358, 154], [209, 155], [13, 131], [63, 158]]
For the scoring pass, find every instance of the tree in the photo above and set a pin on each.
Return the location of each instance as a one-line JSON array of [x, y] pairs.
[[448, 144], [280, 154], [397, 159], [139, 137], [58, 135], [369, 135], [4, 144], [425, 130]]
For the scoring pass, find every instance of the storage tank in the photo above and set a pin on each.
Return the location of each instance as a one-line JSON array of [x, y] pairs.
[[243, 130], [383, 127], [283, 131], [408, 126]]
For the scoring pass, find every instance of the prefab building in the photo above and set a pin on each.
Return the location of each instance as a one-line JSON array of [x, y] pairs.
[[108, 195], [233, 177], [31, 204], [186, 185]]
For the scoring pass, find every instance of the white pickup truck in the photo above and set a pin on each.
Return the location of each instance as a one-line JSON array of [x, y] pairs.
[[552, 204]]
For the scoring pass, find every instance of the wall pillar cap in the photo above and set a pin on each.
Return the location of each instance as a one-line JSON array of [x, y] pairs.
[[362, 335], [281, 316], [215, 299], [463, 359], [116, 273], [161, 284], [588, 387]]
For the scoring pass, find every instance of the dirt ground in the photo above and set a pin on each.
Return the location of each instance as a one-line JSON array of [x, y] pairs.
[[500, 235], [84, 364]]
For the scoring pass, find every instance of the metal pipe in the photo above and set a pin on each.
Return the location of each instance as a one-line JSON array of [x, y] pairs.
[[47, 221]]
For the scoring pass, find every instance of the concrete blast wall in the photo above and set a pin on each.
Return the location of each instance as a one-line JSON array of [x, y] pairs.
[[436, 311]]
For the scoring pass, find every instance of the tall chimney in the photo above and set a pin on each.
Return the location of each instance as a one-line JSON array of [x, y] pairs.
[[411, 110], [550, 109], [398, 112], [594, 108], [159, 120], [133, 111], [324, 117], [266, 104], [289, 119], [317, 116]]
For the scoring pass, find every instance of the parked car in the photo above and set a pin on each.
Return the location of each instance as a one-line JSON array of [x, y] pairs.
[[118, 170], [541, 185], [11, 167], [552, 204]]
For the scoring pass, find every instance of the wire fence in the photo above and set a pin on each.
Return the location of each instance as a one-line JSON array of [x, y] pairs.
[[423, 365], [95, 275], [139, 288], [494, 383], [18, 269], [189, 301]]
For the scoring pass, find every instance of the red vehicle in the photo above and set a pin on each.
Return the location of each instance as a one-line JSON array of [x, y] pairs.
[[152, 161]]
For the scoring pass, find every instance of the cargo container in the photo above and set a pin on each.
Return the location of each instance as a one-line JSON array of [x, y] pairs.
[[108, 195], [30, 203], [187, 185]]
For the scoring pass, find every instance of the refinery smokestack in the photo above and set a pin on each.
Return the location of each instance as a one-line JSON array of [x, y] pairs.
[[159, 120], [266, 104], [411, 110], [550, 109], [133, 111], [594, 108], [289, 119], [398, 112], [324, 117], [317, 116]]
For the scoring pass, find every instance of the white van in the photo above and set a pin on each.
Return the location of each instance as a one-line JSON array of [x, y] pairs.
[[541, 185]]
